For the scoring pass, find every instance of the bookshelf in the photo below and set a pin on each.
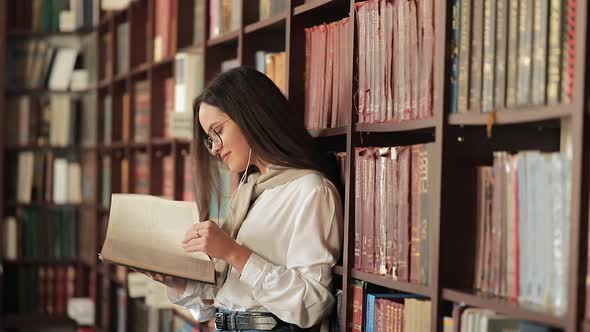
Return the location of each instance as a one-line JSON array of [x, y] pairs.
[[459, 144]]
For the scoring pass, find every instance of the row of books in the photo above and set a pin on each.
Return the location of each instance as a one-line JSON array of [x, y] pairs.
[[507, 54], [44, 177], [467, 319], [328, 74], [45, 233], [372, 311], [224, 16], [393, 215], [39, 64], [388, 312], [53, 15], [164, 28], [56, 120], [61, 120], [34, 182], [163, 42], [178, 94], [395, 43], [269, 8], [163, 167], [188, 84], [523, 228], [273, 66], [39, 289]]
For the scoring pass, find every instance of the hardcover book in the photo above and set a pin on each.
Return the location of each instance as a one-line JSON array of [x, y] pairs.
[[145, 233]]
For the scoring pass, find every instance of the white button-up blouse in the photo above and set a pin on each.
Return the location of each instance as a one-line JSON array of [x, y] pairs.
[[295, 233]]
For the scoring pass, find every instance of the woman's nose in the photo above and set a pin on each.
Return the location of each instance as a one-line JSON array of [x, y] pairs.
[[215, 148]]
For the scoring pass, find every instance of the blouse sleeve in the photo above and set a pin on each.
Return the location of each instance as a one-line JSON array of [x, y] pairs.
[[300, 293], [192, 299]]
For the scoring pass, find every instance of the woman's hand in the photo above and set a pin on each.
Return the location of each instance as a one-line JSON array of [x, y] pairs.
[[207, 237]]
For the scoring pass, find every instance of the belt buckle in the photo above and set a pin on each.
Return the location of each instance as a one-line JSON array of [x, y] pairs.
[[219, 321]]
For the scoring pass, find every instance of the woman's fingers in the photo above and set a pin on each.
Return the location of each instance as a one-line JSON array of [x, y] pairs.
[[196, 231], [193, 245]]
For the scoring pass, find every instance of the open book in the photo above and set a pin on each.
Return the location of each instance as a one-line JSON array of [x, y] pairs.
[[145, 233]]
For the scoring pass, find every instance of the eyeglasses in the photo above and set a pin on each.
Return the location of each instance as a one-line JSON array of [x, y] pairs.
[[213, 137]]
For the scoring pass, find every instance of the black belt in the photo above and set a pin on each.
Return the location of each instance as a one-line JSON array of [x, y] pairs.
[[234, 321]]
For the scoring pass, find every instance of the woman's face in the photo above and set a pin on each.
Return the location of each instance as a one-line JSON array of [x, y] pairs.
[[234, 149]]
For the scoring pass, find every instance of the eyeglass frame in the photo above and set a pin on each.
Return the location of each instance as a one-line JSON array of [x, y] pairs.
[[208, 140]]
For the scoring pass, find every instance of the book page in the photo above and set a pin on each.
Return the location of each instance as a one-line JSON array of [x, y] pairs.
[[145, 232]]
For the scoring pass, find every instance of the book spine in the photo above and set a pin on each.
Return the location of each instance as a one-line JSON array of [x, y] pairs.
[[525, 36], [569, 50], [370, 313], [475, 78], [489, 51], [554, 49], [512, 56], [415, 259], [501, 52], [540, 22], [358, 210], [455, 60], [427, 196], [403, 213]]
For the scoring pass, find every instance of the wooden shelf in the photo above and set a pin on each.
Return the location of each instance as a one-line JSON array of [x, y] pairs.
[[164, 61], [17, 33], [138, 146], [504, 307], [89, 148], [104, 83], [230, 37], [327, 132], [512, 116], [42, 261], [35, 320], [49, 205], [273, 22], [191, 48], [141, 69], [338, 270], [163, 141], [396, 126], [311, 5], [119, 145], [42, 91], [392, 284], [34, 147], [120, 78]]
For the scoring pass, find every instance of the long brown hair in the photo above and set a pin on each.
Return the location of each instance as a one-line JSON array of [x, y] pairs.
[[275, 133]]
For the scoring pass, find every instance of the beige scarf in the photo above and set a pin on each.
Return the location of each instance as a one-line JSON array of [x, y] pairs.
[[243, 198]]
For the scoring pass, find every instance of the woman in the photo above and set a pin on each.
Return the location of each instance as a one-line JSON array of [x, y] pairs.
[[282, 235]]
